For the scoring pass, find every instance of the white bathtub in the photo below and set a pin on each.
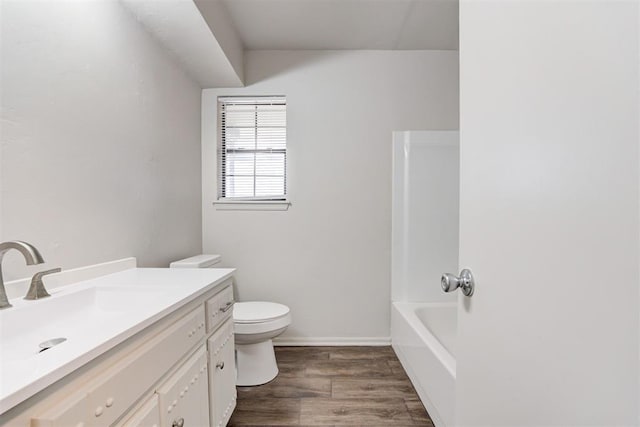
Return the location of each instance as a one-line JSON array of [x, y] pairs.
[[423, 336]]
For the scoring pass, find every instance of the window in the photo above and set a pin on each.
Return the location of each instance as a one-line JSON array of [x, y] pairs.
[[252, 148]]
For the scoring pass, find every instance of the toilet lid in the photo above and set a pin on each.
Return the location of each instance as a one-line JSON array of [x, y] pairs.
[[258, 311]]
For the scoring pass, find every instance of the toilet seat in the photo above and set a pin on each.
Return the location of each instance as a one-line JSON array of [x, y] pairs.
[[258, 311], [260, 317]]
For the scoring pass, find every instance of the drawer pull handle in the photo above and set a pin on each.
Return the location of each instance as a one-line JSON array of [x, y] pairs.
[[178, 423], [220, 365], [226, 307]]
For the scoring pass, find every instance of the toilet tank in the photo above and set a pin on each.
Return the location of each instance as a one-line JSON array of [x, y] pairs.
[[198, 261]]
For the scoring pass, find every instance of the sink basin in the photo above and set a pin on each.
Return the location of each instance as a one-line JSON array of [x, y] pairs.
[[72, 316]]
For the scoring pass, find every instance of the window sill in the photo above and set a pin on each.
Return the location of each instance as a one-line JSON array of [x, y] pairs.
[[252, 205]]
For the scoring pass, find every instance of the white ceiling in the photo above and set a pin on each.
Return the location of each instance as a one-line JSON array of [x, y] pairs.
[[209, 36], [345, 24]]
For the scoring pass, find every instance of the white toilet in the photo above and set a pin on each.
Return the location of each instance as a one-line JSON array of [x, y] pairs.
[[255, 324]]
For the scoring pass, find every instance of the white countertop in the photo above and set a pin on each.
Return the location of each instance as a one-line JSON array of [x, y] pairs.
[[94, 315]]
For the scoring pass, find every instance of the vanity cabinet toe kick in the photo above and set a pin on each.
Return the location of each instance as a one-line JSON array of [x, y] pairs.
[[178, 372]]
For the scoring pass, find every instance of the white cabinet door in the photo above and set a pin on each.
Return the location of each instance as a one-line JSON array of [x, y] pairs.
[[147, 416], [549, 213], [184, 397], [222, 374]]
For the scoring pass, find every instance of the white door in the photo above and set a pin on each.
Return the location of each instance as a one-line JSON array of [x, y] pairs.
[[549, 213]]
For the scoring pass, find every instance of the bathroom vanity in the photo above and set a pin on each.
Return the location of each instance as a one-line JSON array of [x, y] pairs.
[[144, 347]]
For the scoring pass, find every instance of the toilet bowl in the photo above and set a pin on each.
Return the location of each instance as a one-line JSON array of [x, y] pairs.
[[255, 324]]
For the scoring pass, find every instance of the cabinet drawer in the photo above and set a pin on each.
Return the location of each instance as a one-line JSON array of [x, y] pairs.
[[71, 412], [222, 374], [219, 307], [183, 398], [147, 416], [123, 383]]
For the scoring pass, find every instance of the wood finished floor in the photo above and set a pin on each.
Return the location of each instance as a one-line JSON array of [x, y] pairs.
[[333, 386]]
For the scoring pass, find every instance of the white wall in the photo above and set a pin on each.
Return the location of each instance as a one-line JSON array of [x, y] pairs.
[[549, 213], [100, 138], [328, 256], [200, 37], [425, 215]]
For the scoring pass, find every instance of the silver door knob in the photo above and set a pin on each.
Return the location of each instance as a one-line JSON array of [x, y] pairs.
[[450, 283]]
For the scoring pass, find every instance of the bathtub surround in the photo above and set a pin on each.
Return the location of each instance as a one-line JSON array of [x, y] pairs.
[[425, 215], [328, 256], [100, 138]]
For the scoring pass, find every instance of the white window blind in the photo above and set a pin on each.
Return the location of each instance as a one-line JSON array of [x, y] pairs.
[[252, 148]]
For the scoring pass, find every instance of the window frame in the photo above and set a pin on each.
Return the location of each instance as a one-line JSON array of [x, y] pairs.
[[268, 202]]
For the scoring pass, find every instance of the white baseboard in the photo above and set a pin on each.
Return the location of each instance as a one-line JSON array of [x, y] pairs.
[[332, 341]]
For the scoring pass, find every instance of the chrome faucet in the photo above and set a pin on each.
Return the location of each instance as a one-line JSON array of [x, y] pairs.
[[37, 289], [30, 254]]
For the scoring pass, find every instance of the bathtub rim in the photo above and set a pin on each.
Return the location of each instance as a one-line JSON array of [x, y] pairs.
[[407, 311]]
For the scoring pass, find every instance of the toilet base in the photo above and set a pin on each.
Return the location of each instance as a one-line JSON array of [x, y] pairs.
[[256, 363]]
